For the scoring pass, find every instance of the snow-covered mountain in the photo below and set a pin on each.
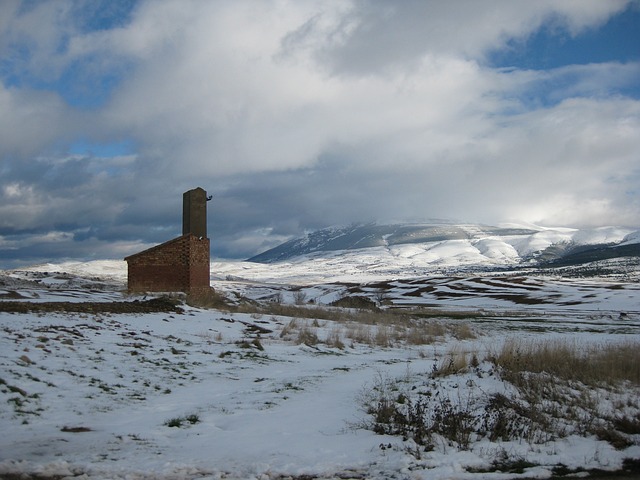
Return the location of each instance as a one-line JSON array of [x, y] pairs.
[[463, 245]]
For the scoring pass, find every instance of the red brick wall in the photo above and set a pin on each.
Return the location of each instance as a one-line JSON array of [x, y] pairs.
[[199, 263], [181, 264]]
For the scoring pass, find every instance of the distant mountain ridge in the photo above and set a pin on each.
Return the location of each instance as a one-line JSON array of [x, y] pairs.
[[469, 244]]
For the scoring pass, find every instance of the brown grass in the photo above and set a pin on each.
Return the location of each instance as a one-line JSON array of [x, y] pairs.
[[462, 331], [455, 361], [591, 364], [208, 299], [359, 333], [307, 336], [382, 329], [335, 338]]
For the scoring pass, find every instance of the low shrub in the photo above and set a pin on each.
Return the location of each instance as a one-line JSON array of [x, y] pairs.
[[628, 424], [541, 400], [299, 297], [192, 419], [174, 422], [357, 302], [395, 412], [177, 422]]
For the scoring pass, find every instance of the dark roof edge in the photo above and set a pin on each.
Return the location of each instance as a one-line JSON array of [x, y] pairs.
[[155, 247]]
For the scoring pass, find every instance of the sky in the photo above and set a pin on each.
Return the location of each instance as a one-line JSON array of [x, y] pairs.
[[297, 115]]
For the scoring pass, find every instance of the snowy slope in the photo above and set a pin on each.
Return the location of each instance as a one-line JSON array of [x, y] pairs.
[[455, 245]]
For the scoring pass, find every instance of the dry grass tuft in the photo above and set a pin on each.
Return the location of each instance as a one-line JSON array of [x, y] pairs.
[[335, 338], [307, 336], [289, 329], [359, 333], [373, 328], [462, 331], [384, 336], [208, 299], [593, 364], [454, 362]]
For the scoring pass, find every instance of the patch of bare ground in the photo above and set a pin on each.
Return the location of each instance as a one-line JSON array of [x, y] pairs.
[[162, 304], [37, 476], [12, 294]]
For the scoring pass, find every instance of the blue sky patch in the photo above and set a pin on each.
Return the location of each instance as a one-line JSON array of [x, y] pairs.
[[551, 47]]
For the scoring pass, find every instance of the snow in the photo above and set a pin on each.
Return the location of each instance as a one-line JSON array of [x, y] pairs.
[[602, 235], [496, 249], [288, 410], [410, 260], [631, 238]]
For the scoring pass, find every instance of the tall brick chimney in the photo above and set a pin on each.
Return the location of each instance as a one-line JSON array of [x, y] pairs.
[[194, 212], [181, 264]]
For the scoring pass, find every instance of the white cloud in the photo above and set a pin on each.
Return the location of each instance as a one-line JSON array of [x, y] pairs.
[[32, 120], [225, 91], [379, 35]]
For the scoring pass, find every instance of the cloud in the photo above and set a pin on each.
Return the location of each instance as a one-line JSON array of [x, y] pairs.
[[228, 93], [378, 36], [297, 115], [31, 121], [572, 164]]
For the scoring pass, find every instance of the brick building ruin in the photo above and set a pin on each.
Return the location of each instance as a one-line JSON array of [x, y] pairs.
[[181, 264]]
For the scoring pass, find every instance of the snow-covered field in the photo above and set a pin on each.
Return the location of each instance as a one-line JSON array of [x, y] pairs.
[[94, 395]]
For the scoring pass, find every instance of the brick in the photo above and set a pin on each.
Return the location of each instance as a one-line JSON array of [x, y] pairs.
[[181, 264]]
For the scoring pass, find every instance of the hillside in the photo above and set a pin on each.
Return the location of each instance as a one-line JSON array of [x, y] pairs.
[[464, 245]]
